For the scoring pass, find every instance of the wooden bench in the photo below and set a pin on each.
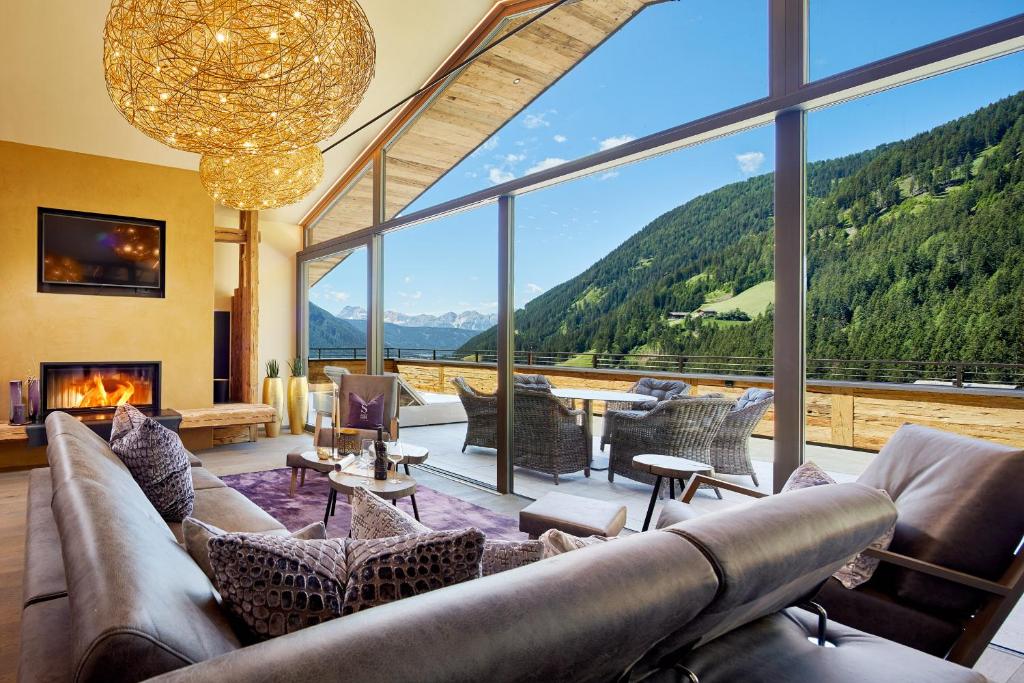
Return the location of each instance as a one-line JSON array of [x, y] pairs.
[[231, 422]]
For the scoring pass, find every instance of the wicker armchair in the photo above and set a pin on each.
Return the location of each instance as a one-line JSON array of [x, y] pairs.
[[548, 437], [681, 427], [730, 449], [524, 381], [482, 414], [658, 389]]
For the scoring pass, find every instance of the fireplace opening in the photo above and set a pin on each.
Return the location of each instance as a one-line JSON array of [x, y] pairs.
[[96, 389]]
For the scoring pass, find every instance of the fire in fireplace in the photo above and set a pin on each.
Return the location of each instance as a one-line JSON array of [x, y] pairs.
[[89, 388]]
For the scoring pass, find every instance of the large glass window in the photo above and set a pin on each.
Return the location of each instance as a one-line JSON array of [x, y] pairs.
[[916, 262], [844, 35], [658, 273], [440, 287], [672, 63]]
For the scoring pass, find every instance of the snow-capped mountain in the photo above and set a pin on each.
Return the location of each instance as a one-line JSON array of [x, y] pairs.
[[466, 320]]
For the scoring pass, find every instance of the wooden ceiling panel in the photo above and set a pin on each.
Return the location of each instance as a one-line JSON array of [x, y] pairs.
[[477, 102]]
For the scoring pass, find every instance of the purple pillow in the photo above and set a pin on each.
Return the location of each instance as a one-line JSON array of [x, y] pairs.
[[363, 415]]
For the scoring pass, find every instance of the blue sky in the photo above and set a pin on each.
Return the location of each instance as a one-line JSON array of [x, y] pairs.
[[675, 62]]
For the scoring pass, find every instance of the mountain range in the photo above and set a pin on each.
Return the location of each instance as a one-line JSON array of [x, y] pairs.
[[466, 320], [915, 252], [331, 331]]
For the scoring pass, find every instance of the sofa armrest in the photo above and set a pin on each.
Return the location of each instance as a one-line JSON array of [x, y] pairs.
[[964, 579], [702, 479]]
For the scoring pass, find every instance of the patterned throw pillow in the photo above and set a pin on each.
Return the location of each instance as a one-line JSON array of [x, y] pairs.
[[276, 584], [197, 535], [279, 584], [557, 542], [861, 567], [157, 461], [372, 517], [387, 569]]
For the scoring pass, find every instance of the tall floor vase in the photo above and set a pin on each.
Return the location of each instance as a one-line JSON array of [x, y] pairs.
[[273, 395], [298, 403]]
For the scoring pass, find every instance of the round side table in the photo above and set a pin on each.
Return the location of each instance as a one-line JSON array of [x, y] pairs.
[[662, 466], [351, 478]]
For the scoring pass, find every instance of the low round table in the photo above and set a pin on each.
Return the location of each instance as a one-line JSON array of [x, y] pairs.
[[301, 460], [674, 468], [354, 476]]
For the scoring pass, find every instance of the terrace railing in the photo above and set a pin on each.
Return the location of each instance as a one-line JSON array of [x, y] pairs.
[[958, 374]]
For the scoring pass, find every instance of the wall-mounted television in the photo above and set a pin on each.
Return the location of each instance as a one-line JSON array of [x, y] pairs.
[[91, 253]]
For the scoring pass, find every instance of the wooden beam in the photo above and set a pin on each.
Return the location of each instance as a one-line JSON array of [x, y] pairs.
[[231, 235], [245, 312]]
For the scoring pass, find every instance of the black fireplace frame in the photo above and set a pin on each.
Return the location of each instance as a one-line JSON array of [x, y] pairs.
[[151, 409]]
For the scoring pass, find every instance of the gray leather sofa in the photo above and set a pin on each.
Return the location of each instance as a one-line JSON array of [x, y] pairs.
[[712, 594]]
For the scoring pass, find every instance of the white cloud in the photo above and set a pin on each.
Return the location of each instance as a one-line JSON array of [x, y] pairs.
[[559, 138], [536, 120], [498, 176], [544, 164], [490, 144], [407, 279], [514, 158], [489, 304], [614, 141], [414, 295], [533, 289], [750, 162], [608, 175]]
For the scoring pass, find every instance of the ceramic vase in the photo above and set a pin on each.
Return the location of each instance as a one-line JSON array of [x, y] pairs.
[[273, 395], [17, 403], [33, 400], [298, 403]]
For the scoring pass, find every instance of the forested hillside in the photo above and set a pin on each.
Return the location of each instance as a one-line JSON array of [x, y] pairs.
[[916, 252]]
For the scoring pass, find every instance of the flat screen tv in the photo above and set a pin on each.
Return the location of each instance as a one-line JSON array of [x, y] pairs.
[[90, 253]]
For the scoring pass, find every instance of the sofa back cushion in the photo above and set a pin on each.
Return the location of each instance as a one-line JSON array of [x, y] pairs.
[[778, 550], [959, 507], [139, 605], [661, 389]]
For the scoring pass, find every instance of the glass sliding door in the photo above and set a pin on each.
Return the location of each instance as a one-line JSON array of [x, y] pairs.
[[440, 296], [659, 273], [336, 313]]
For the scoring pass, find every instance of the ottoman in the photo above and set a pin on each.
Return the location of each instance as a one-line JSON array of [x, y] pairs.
[[572, 514]]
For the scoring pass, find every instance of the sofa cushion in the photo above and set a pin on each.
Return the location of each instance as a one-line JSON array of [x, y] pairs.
[[778, 647], [203, 478], [775, 551], [659, 389], [197, 535], [881, 614], [959, 507], [808, 474], [556, 542], [675, 511], [157, 459], [46, 642], [43, 578], [139, 605], [752, 396], [228, 509]]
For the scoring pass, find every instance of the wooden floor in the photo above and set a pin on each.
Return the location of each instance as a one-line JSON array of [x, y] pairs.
[[999, 665]]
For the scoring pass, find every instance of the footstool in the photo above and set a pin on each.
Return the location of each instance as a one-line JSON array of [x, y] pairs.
[[572, 514]]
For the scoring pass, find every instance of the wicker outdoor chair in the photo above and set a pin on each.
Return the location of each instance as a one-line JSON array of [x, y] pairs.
[[482, 414], [683, 428], [658, 389], [524, 381], [730, 449], [548, 437]]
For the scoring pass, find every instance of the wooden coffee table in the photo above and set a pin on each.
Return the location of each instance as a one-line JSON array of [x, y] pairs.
[[674, 468], [302, 459], [355, 476]]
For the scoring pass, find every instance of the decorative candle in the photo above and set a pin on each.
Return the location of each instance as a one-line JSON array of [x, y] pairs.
[[17, 412], [33, 399]]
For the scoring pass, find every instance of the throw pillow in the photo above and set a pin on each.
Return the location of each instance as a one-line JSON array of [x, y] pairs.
[[157, 461], [372, 517], [805, 476], [197, 535], [365, 414], [556, 542], [387, 569], [860, 568], [278, 584]]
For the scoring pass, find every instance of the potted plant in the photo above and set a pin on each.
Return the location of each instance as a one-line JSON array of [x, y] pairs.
[[273, 395], [298, 397]]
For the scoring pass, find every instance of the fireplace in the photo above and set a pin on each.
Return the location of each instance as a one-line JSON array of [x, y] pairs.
[[96, 389]]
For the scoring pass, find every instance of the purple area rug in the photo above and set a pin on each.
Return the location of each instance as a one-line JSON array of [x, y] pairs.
[[438, 511]]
